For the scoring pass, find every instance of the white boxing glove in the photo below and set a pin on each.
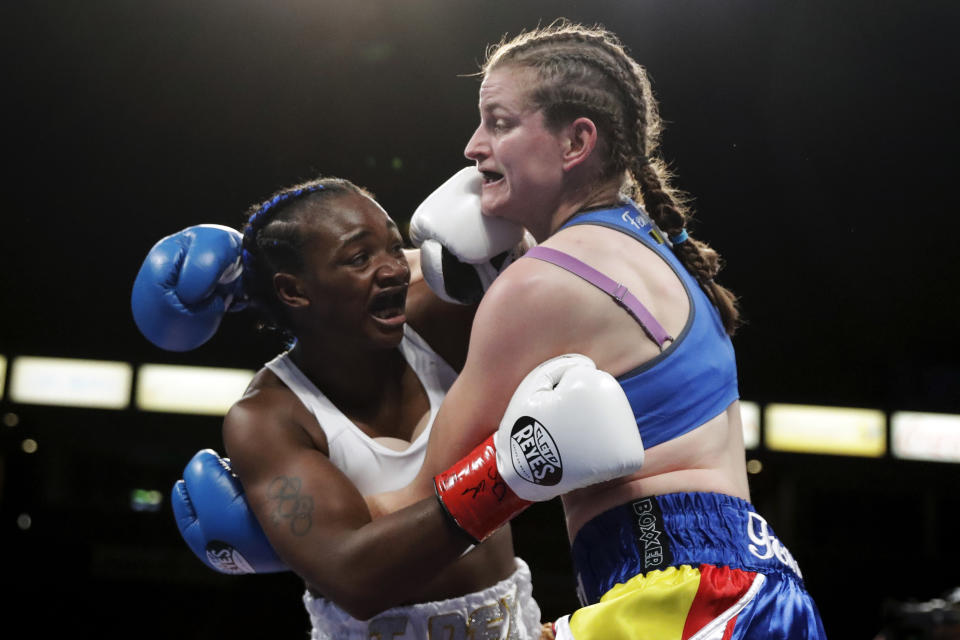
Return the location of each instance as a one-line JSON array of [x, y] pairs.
[[568, 425], [462, 251]]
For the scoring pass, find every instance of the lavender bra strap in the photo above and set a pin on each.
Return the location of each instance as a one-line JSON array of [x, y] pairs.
[[617, 291]]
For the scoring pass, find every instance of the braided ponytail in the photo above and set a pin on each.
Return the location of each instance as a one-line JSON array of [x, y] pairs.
[[701, 260], [586, 71]]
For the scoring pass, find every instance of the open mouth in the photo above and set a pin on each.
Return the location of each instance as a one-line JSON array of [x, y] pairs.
[[489, 177], [389, 304]]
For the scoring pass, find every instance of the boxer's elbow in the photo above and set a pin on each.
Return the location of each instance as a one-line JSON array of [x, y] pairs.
[[355, 585]]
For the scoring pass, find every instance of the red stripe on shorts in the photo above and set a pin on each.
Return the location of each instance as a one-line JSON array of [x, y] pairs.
[[720, 588]]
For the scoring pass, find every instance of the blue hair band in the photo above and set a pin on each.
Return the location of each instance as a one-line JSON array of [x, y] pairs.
[[259, 218], [680, 238], [256, 219]]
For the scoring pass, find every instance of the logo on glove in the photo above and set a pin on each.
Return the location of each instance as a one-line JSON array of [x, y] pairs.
[[226, 559], [535, 455]]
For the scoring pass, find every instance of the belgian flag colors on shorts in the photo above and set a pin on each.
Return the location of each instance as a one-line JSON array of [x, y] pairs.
[[687, 566]]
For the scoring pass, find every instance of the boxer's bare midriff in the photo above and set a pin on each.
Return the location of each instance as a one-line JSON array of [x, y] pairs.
[[708, 459]]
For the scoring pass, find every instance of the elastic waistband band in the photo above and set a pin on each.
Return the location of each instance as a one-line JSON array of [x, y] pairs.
[[505, 609], [674, 530]]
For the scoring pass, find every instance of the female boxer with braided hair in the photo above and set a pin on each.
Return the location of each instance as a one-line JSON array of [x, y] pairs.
[[348, 408], [568, 139]]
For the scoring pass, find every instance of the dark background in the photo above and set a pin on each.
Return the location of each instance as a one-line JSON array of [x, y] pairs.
[[818, 139]]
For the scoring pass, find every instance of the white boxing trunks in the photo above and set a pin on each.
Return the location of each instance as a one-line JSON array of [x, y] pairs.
[[505, 611]]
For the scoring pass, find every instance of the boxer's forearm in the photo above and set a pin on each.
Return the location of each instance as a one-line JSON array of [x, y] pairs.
[[381, 564]]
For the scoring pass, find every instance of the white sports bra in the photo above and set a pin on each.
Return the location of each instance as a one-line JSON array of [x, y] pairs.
[[373, 467]]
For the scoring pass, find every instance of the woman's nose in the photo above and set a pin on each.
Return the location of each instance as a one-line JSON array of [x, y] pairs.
[[476, 146]]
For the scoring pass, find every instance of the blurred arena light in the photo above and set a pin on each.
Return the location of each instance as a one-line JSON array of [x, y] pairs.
[[146, 500], [925, 436], [829, 430], [181, 389], [806, 429], [71, 382], [750, 417]]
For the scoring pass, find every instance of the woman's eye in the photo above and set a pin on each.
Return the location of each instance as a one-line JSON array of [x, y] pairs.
[[496, 124]]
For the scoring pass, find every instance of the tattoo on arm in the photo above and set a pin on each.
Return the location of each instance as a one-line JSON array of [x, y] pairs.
[[290, 505]]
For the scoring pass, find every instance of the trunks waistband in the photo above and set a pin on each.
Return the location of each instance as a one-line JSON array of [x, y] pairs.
[[674, 530], [506, 610]]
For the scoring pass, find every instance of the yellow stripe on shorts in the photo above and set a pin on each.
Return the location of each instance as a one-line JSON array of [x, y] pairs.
[[653, 605]]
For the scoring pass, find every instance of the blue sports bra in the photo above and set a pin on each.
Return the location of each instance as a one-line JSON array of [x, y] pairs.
[[695, 377]]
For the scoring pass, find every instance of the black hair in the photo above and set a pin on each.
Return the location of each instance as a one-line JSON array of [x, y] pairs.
[[273, 243]]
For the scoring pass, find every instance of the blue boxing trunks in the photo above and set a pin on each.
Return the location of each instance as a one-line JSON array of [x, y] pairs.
[[687, 566]]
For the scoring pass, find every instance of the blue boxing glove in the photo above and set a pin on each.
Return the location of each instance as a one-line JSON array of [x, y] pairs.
[[187, 283], [216, 522]]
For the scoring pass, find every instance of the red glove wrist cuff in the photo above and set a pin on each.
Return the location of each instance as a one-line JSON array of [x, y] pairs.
[[475, 496]]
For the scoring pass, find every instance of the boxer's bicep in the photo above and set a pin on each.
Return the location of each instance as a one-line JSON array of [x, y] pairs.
[[305, 505], [511, 335]]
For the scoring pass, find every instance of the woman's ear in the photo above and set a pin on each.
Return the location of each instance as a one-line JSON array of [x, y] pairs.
[[580, 139], [290, 290]]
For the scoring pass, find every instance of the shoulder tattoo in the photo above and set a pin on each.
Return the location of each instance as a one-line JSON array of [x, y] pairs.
[[289, 505]]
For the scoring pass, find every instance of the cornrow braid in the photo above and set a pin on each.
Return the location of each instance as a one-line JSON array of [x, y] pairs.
[[567, 58], [261, 217], [586, 71], [273, 242]]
